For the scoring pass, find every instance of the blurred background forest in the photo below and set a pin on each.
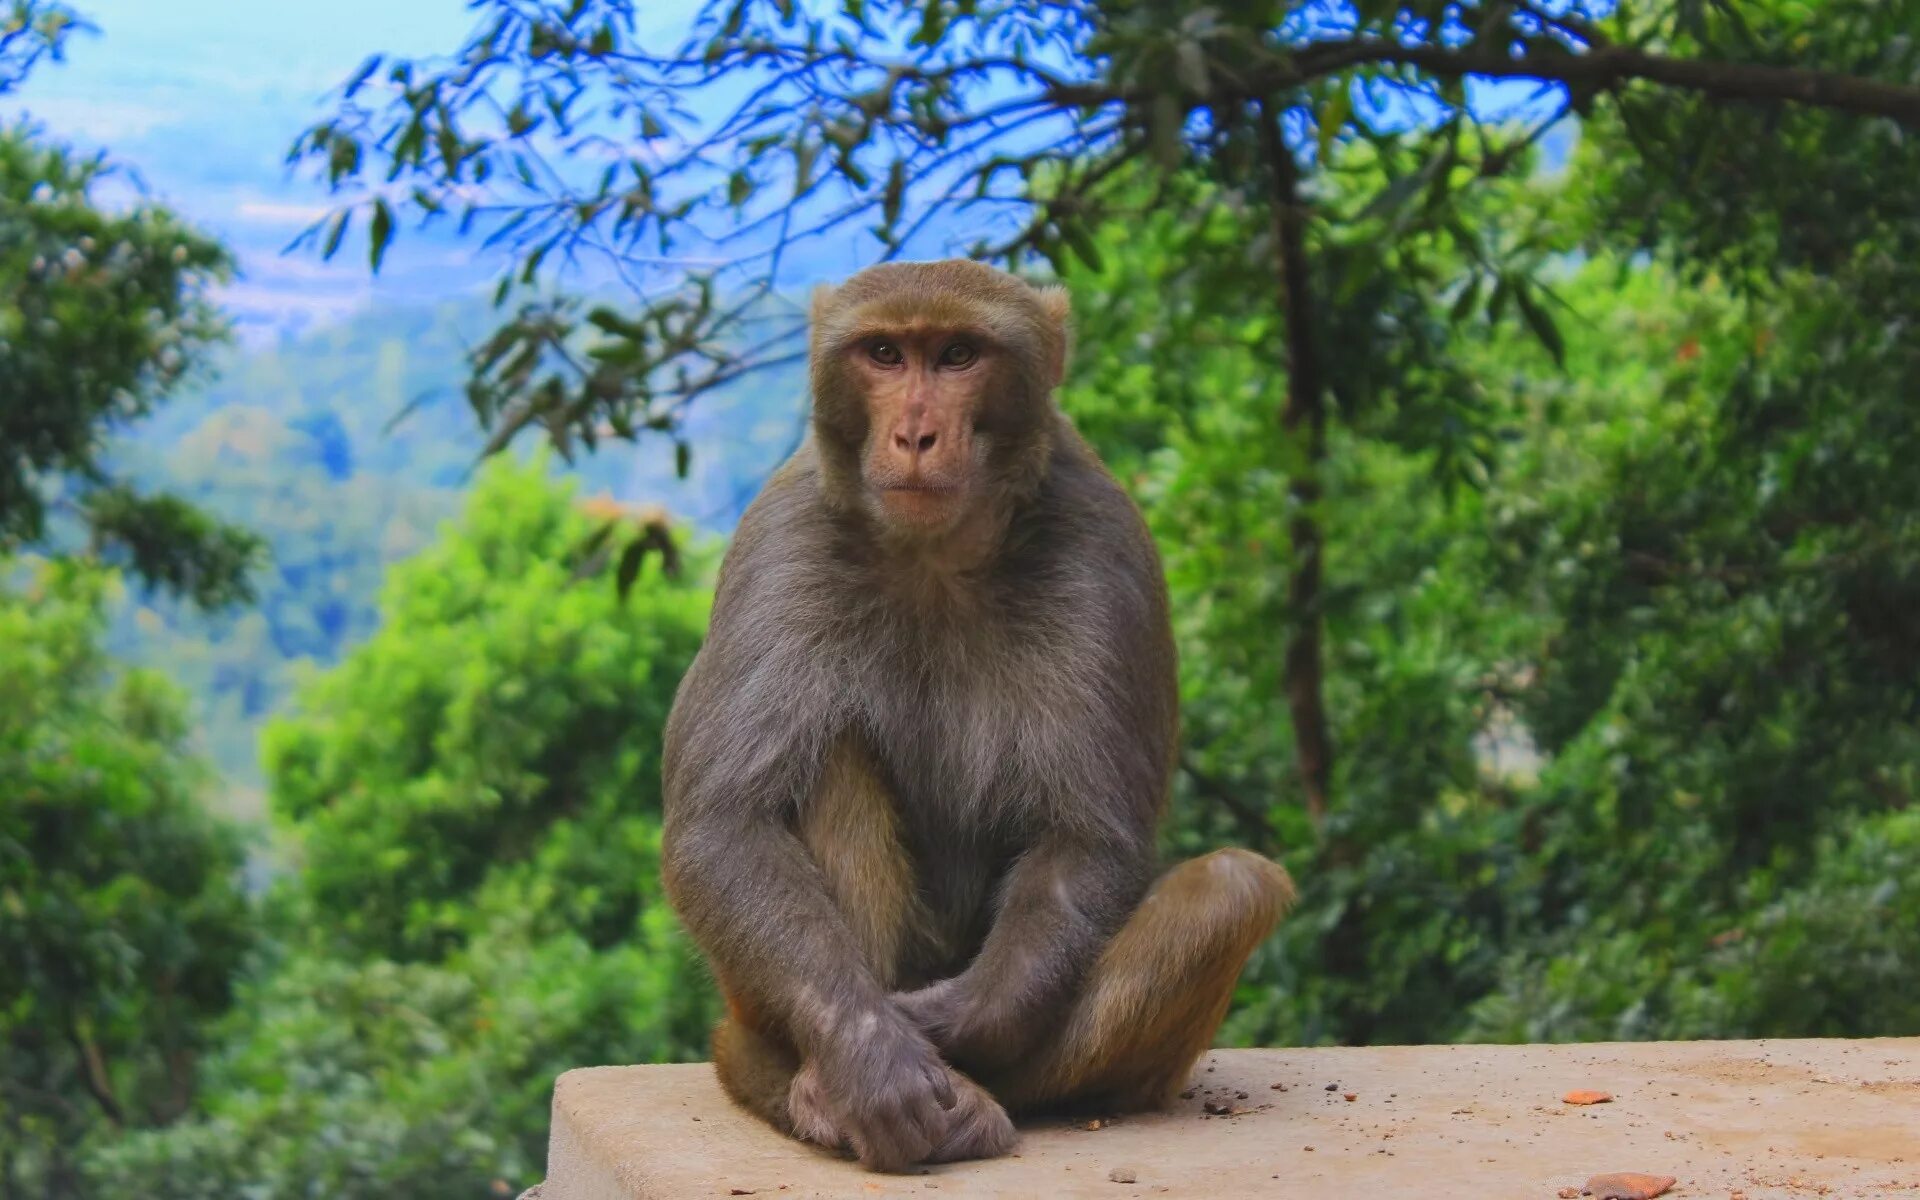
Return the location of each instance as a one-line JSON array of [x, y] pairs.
[[1523, 396]]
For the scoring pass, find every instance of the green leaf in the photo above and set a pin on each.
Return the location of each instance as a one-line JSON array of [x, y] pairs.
[[1541, 323], [630, 560], [380, 234], [1393, 197], [932, 26], [592, 543], [1333, 117], [895, 190], [336, 231], [682, 459], [1497, 299], [361, 76], [1463, 304], [739, 187], [608, 321], [1076, 237]]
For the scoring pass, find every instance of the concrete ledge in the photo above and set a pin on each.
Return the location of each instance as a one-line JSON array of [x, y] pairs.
[[1764, 1119]]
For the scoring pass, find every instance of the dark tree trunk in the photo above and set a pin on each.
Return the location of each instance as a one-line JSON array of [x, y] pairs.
[[1305, 416]]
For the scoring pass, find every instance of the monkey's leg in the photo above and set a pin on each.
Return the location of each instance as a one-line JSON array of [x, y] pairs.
[[1157, 994], [755, 1069], [851, 831]]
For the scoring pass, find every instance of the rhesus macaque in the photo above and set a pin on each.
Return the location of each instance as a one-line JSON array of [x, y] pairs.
[[914, 775]]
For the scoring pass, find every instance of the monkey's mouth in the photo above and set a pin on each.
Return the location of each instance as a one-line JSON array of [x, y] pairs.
[[919, 503], [921, 489]]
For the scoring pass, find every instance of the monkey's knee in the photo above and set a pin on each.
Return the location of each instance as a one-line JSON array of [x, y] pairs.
[[1231, 893], [1158, 993]]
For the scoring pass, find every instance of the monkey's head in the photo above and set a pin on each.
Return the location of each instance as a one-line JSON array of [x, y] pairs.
[[933, 389]]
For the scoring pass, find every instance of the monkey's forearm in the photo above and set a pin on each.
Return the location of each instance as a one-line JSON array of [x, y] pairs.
[[1060, 906], [755, 902]]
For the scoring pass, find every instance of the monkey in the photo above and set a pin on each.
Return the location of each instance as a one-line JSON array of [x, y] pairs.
[[914, 776]]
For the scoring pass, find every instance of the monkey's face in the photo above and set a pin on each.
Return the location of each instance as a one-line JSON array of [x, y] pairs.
[[923, 390], [933, 388]]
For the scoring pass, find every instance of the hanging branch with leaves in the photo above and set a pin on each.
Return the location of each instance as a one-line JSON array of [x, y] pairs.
[[697, 178]]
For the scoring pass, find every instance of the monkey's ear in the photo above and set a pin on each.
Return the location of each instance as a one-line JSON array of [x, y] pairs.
[[822, 301], [1057, 304]]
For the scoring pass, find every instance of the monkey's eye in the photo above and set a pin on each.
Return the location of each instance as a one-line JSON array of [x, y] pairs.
[[886, 354], [958, 354]]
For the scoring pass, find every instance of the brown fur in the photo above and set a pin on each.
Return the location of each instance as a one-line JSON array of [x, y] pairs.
[[914, 775]]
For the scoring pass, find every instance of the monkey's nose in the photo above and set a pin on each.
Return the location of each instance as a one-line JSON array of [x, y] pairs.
[[911, 444]]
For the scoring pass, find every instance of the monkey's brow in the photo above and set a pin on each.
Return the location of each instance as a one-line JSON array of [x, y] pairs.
[[914, 330]]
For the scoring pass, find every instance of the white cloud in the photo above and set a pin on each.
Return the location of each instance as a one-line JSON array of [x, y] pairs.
[[278, 212], [96, 121]]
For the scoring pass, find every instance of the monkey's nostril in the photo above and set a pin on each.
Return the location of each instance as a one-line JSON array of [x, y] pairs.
[[926, 442]]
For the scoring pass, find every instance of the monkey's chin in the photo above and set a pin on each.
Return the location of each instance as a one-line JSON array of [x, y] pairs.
[[920, 510]]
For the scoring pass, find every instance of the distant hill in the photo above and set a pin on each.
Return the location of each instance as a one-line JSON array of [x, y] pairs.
[[294, 442]]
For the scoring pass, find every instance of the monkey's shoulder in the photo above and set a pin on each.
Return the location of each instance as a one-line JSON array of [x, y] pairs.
[[1086, 533]]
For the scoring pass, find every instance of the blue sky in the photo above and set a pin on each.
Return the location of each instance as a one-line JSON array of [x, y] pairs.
[[203, 97]]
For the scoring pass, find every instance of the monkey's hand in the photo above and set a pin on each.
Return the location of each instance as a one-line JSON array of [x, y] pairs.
[[968, 1033], [886, 1097]]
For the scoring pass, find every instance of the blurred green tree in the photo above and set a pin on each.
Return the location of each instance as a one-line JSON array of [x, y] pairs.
[[472, 799], [102, 314], [121, 915]]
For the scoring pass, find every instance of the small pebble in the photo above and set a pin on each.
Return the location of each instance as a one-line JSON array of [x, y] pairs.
[[1121, 1174]]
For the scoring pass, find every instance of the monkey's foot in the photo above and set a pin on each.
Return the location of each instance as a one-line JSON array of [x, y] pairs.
[[807, 1109], [979, 1127]]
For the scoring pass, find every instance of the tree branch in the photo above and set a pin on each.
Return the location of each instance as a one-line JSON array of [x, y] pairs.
[[1258, 833], [1596, 70], [93, 1072]]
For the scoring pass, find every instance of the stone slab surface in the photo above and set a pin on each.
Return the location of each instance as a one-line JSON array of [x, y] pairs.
[[1787, 1119]]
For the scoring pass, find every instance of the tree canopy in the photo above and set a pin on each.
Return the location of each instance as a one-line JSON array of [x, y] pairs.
[[104, 311], [558, 131]]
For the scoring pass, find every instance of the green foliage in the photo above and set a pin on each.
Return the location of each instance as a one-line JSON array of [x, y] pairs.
[[576, 130], [102, 315], [1623, 721], [1604, 489], [370, 1079], [473, 799], [121, 918], [346, 449], [480, 741], [32, 30]]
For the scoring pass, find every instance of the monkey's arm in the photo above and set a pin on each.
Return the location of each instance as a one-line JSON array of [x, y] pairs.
[[782, 952], [739, 875]]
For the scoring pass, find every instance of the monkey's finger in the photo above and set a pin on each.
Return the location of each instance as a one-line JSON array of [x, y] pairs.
[[929, 1127]]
